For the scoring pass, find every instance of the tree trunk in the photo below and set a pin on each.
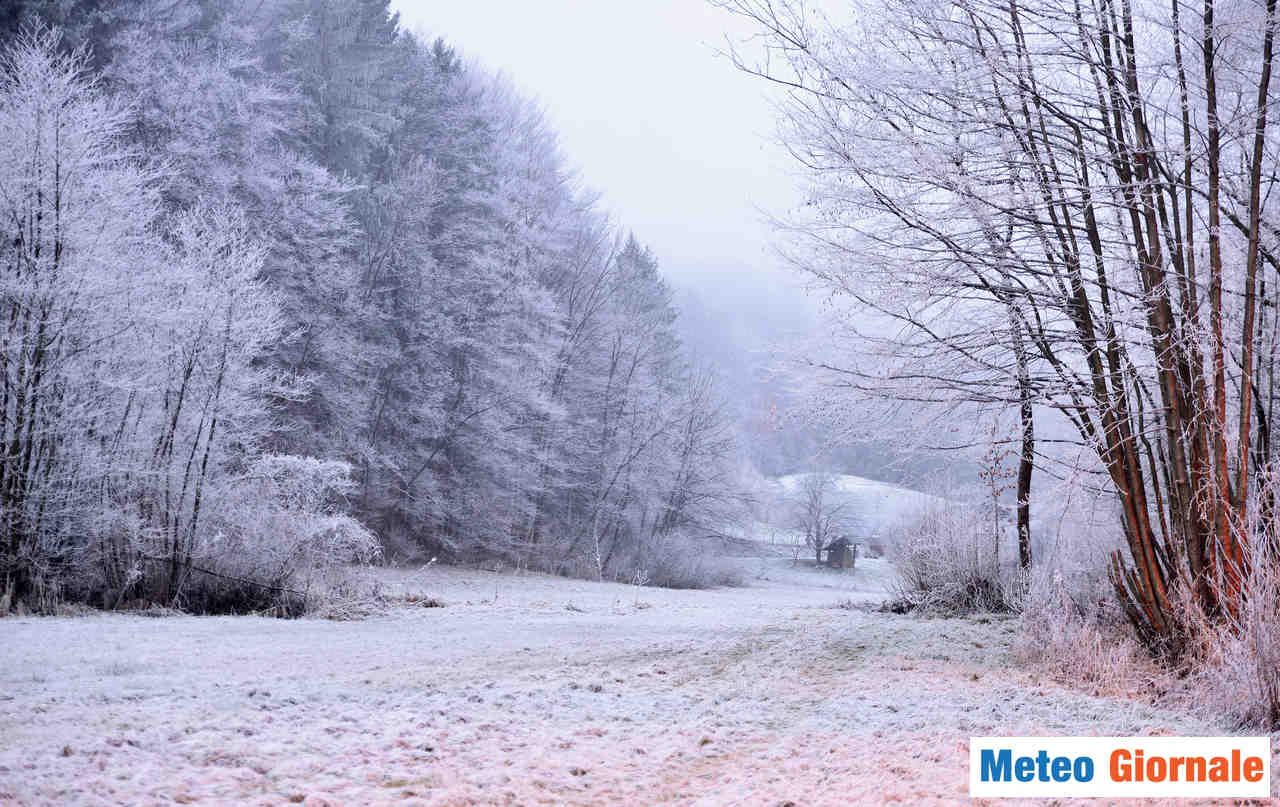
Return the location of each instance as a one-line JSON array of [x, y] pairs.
[[1025, 467], [1025, 457]]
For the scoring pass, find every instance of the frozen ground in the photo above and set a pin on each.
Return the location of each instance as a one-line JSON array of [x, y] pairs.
[[527, 689]]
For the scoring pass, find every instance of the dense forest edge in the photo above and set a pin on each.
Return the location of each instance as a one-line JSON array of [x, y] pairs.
[[287, 287]]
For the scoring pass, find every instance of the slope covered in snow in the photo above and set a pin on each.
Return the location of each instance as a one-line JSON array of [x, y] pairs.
[[874, 509]]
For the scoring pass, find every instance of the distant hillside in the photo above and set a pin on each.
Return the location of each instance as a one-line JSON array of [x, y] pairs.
[[873, 508]]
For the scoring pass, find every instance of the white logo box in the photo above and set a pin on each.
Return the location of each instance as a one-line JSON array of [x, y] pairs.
[[1121, 767]]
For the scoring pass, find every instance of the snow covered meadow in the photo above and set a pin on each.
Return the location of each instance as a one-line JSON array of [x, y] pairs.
[[532, 689]]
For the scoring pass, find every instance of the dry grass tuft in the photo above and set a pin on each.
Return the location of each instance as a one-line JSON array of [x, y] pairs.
[[1085, 646], [422, 601], [1234, 671]]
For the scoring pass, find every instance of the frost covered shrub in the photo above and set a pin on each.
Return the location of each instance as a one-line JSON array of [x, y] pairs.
[[945, 564], [1079, 637], [275, 539], [1235, 672], [1071, 627], [689, 566], [676, 561], [279, 540]]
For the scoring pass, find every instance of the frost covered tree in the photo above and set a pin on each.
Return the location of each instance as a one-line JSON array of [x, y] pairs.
[[222, 128], [351, 249], [77, 211], [1098, 174], [818, 515], [133, 397]]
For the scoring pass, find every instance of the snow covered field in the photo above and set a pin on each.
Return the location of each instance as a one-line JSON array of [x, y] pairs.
[[528, 689]]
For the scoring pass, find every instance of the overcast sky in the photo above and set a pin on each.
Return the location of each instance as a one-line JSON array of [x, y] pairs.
[[678, 140]]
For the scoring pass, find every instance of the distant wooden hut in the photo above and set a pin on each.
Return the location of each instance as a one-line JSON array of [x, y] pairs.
[[841, 554]]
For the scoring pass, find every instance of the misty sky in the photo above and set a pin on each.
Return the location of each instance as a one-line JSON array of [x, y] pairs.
[[677, 139]]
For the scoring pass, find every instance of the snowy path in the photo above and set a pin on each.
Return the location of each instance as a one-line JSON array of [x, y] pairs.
[[761, 695]]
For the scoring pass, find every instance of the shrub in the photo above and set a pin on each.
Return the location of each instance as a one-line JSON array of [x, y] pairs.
[[1235, 668], [690, 568], [945, 565], [676, 561], [281, 532], [275, 541], [1082, 640]]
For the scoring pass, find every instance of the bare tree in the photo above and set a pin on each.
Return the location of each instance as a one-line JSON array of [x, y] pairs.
[[820, 517], [73, 202], [1048, 163]]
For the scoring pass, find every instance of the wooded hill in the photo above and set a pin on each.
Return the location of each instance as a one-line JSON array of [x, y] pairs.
[[287, 286]]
